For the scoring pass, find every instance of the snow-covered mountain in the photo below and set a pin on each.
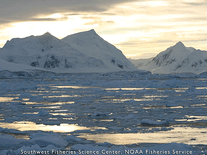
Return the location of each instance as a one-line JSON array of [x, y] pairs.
[[82, 52], [175, 59], [95, 47]]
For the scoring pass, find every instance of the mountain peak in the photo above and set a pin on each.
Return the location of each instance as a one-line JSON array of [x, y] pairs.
[[47, 34], [179, 44], [92, 32], [179, 47], [46, 38]]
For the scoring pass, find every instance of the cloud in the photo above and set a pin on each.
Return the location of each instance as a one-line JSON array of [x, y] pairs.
[[97, 20], [100, 22], [132, 25], [195, 2], [21, 10]]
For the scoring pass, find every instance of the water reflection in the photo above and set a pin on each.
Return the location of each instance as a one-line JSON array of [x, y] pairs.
[[197, 117], [30, 113], [107, 89], [106, 120], [201, 87], [154, 107], [7, 99], [201, 96], [120, 100], [198, 105], [176, 107], [12, 94], [61, 114], [158, 89], [155, 96], [1, 117], [185, 135], [31, 126], [50, 103], [60, 110], [49, 107], [62, 96], [144, 99], [73, 87], [110, 99]]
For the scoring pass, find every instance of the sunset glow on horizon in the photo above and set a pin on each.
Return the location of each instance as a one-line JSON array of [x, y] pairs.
[[141, 29]]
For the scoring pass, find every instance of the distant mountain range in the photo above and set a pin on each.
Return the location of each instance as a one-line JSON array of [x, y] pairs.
[[175, 59], [81, 52], [87, 52]]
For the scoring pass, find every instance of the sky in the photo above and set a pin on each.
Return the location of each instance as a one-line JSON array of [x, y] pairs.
[[140, 28]]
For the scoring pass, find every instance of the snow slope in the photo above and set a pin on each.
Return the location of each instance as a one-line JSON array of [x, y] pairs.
[[9, 66], [82, 52], [140, 62], [175, 59]]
